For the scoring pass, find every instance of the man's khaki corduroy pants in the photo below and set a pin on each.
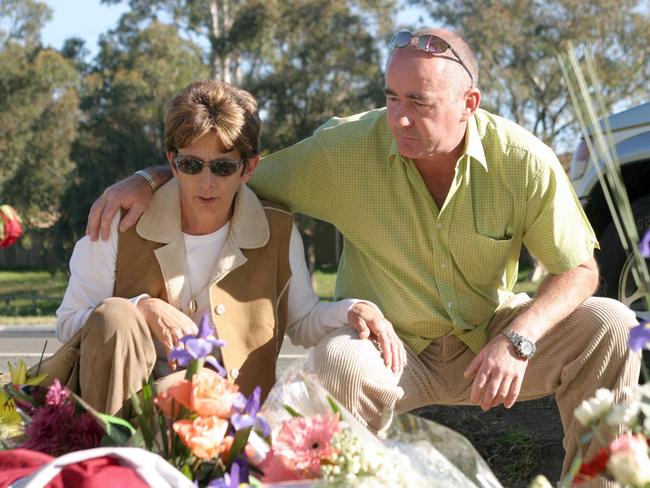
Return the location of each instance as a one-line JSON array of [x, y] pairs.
[[586, 351]]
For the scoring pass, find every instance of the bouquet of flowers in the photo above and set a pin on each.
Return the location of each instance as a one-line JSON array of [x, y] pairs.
[[324, 443]]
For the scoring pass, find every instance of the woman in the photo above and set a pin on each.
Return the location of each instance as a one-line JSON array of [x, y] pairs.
[[205, 245]]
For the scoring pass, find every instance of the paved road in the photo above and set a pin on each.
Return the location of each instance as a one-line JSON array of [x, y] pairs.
[[27, 342]]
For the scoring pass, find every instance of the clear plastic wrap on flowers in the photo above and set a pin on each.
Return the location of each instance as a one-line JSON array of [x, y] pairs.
[[416, 453]]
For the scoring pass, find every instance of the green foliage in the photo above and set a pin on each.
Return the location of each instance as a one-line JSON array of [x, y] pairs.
[[22, 20], [329, 65], [38, 115], [520, 76]]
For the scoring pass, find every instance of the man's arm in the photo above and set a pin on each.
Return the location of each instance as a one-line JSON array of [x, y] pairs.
[[132, 193], [497, 371]]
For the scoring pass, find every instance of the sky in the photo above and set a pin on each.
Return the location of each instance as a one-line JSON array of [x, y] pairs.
[[90, 18], [80, 18]]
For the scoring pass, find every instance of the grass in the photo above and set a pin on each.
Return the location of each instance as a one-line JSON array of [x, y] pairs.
[[30, 296]]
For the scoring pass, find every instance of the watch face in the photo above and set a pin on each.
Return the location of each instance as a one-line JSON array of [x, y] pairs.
[[527, 348]]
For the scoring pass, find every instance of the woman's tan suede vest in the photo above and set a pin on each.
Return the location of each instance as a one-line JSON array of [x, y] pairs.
[[248, 300]]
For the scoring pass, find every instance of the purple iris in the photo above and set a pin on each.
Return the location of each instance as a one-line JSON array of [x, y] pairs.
[[238, 472], [640, 337], [645, 245], [198, 346], [246, 413]]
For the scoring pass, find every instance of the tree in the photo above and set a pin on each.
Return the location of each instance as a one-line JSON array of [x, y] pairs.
[[38, 114], [210, 20], [123, 98], [517, 42]]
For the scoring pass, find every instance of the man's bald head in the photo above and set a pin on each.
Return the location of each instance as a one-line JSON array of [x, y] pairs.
[[465, 53]]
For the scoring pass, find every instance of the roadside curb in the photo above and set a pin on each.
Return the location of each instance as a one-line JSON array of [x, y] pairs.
[[40, 330]]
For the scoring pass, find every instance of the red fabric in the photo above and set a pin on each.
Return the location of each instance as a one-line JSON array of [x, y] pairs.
[[12, 228], [93, 473]]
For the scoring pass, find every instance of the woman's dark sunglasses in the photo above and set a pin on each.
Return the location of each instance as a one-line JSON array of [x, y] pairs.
[[429, 43], [219, 167]]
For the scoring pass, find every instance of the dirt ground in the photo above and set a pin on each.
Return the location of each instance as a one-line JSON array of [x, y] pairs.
[[518, 444]]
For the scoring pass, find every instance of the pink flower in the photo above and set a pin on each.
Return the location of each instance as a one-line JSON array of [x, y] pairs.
[[57, 394], [299, 448], [629, 463]]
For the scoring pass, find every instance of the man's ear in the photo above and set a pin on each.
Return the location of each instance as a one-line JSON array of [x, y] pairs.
[[251, 165], [472, 102]]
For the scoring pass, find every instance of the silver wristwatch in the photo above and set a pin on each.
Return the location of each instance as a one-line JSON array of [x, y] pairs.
[[524, 347]]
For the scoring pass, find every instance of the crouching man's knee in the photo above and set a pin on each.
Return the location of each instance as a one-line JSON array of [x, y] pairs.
[[353, 371]]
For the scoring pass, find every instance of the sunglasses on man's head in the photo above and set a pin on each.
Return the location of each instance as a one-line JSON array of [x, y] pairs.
[[428, 43], [219, 167]]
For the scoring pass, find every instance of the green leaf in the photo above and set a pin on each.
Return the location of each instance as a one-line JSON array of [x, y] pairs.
[[118, 430], [291, 411], [333, 405], [567, 481], [238, 445]]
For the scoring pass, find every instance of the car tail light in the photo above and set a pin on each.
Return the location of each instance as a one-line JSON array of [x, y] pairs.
[[579, 162]]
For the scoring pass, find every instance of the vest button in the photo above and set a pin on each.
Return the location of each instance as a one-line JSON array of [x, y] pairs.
[[234, 373], [220, 309]]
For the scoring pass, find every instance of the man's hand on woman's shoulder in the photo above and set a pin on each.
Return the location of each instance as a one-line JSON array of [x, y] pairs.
[[132, 194]]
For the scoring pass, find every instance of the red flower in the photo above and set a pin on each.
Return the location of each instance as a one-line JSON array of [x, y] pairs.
[[10, 228], [594, 468]]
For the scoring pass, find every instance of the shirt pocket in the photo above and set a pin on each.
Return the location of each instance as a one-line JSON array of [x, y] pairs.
[[482, 260]]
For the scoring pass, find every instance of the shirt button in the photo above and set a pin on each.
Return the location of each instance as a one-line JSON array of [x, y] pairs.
[[449, 305], [439, 225], [234, 373], [220, 309]]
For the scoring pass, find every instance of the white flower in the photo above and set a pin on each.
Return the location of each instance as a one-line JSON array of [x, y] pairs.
[[540, 481], [624, 414], [595, 408], [629, 463]]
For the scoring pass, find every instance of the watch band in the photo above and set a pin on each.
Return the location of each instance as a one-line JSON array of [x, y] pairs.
[[520, 342]]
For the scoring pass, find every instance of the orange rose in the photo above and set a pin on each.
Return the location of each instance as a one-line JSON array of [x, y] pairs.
[[176, 396], [204, 435], [226, 445], [212, 394]]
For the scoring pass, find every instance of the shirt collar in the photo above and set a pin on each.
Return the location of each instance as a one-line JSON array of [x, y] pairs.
[[473, 145]]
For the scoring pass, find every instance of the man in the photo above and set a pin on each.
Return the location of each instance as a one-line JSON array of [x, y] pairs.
[[435, 198]]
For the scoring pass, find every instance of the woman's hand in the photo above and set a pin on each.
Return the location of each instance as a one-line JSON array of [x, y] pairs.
[[165, 322], [371, 324]]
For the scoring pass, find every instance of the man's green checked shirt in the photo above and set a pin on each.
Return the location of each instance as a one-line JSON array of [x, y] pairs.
[[432, 271]]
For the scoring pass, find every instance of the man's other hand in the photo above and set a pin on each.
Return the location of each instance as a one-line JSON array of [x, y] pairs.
[[371, 324], [498, 374], [132, 194]]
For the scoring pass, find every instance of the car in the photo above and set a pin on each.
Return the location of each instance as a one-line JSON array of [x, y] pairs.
[[631, 137]]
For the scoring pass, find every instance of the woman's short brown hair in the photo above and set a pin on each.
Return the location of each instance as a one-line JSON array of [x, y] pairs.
[[205, 106]]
